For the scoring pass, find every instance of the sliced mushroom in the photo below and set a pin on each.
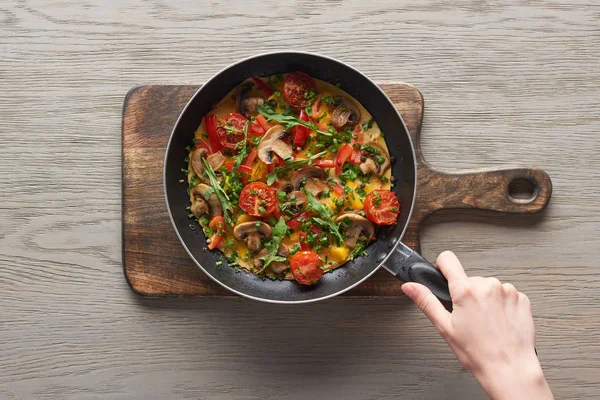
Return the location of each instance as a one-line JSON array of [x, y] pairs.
[[312, 179], [356, 227], [252, 233], [374, 159], [215, 160], [203, 205], [297, 198], [197, 163], [271, 143], [246, 105], [276, 266], [284, 186], [345, 114]]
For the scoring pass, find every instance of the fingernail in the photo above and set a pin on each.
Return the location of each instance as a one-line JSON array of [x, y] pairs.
[[408, 289]]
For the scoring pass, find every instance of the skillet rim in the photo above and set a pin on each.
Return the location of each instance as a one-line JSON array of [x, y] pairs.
[[249, 296]]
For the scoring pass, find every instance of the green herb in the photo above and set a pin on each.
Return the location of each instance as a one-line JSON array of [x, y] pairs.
[[217, 263], [359, 250], [192, 227], [218, 190], [325, 214], [190, 216], [282, 196], [370, 149], [185, 171], [289, 121], [321, 117], [194, 182], [187, 159], [291, 166], [262, 210], [277, 234], [368, 124]]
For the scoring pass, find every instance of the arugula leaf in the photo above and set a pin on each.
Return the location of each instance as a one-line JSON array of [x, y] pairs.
[[218, 190], [277, 234], [289, 121], [242, 148], [325, 214], [291, 166]]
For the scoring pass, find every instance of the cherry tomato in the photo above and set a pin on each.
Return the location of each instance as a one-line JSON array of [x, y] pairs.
[[295, 88], [342, 156], [305, 267], [217, 224], [258, 199], [227, 137], [382, 207], [263, 86], [211, 129]]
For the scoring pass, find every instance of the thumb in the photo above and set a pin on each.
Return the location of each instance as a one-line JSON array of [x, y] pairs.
[[429, 305]]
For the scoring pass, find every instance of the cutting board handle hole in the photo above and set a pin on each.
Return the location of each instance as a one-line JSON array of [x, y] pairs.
[[522, 190]]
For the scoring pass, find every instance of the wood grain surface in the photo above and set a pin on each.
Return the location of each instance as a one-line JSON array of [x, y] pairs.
[[155, 263], [506, 83]]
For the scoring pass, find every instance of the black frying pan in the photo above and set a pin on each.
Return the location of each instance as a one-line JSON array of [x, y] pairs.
[[387, 251]]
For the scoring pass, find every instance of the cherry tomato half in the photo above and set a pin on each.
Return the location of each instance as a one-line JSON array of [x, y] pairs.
[[305, 267], [217, 224], [382, 207], [258, 199], [295, 88], [231, 131]]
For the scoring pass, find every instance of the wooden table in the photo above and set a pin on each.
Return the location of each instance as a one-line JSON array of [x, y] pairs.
[[70, 328]]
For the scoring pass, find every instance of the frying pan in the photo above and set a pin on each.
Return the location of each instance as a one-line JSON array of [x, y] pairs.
[[387, 251]]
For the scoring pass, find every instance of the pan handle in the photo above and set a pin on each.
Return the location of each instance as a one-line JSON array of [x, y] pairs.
[[409, 266]]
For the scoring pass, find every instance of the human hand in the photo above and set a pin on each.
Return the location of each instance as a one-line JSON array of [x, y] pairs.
[[490, 330]]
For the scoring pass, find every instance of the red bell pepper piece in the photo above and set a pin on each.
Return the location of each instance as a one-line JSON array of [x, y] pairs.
[[342, 156], [297, 220], [263, 122], [211, 129], [256, 129], [263, 86], [339, 190], [301, 131], [201, 144], [303, 245], [324, 163], [251, 157], [217, 224], [355, 157]]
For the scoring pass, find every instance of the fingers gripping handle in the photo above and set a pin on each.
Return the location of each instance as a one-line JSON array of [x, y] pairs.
[[409, 266]]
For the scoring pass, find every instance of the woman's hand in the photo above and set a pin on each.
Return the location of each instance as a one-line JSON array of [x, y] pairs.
[[490, 330]]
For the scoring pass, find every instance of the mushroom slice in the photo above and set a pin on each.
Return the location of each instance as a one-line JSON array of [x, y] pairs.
[[216, 160], [252, 233], [297, 198], [276, 266], [311, 178], [246, 105], [374, 159], [271, 143], [345, 114], [203, 205], [356, 226], [197, 163]]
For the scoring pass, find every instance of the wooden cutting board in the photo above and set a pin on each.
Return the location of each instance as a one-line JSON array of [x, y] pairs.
[[155, 263]]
